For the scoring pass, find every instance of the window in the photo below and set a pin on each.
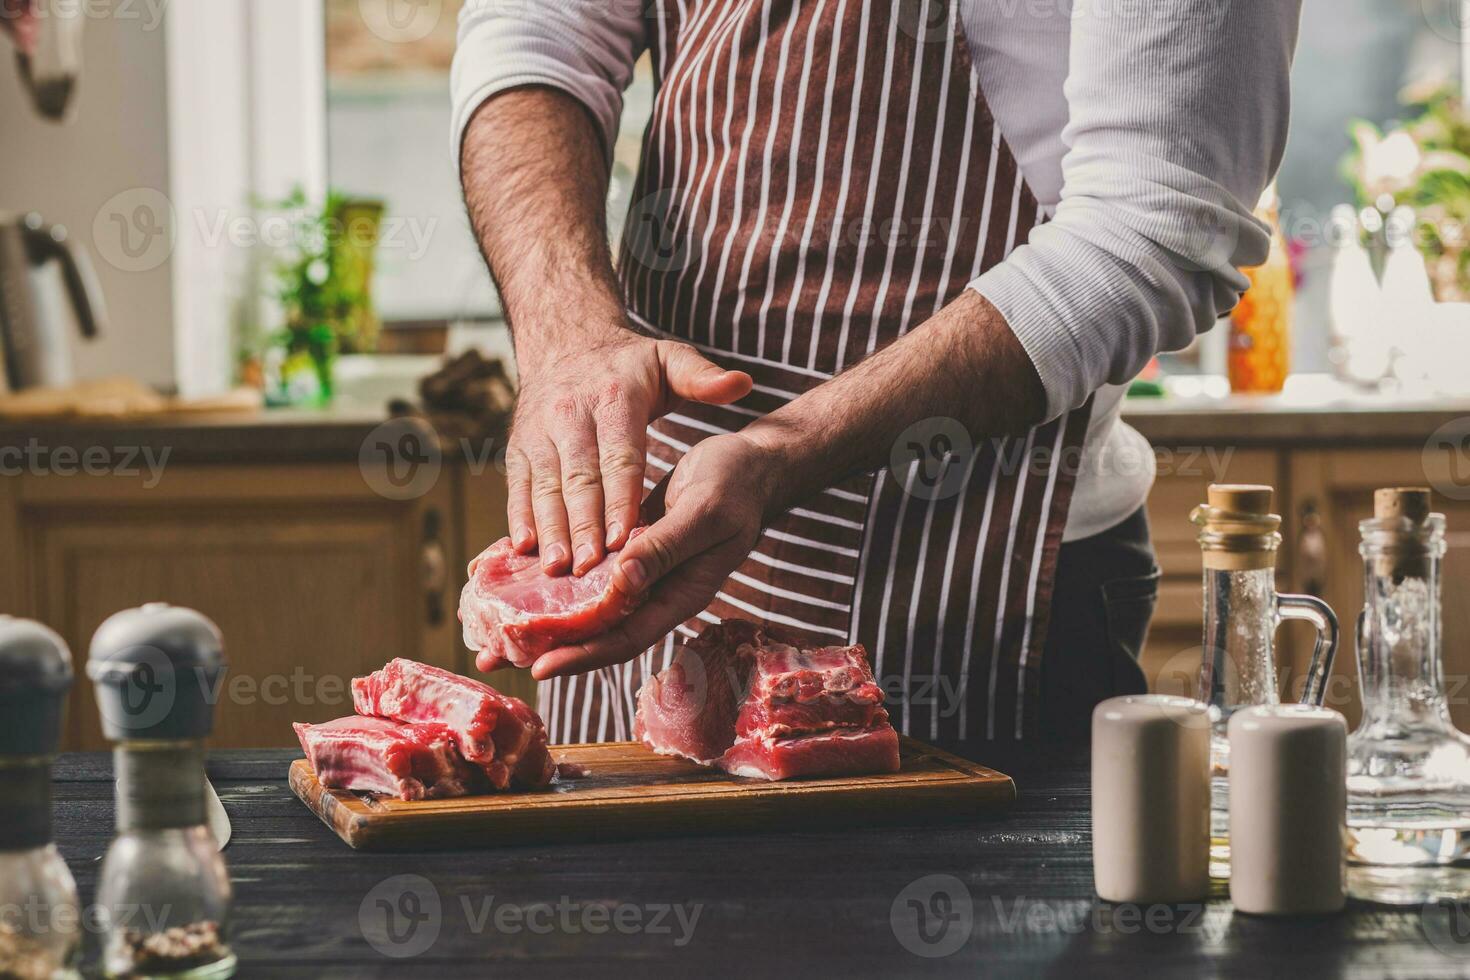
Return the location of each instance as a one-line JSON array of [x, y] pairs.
[[388, 137]]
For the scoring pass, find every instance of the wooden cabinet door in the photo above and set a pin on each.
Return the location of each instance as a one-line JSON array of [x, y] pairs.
[[1339, 484], [311, 575]]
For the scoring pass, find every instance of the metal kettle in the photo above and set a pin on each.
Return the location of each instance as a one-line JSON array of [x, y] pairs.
[[48, 294]]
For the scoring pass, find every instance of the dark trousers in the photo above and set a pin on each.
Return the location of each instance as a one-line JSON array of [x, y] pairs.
[[1104, 596]]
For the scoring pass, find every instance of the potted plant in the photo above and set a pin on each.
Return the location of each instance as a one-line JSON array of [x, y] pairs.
[[321, 278]]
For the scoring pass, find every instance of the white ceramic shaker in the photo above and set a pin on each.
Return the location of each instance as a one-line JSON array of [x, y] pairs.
[[1288, 810], [1151, 799]]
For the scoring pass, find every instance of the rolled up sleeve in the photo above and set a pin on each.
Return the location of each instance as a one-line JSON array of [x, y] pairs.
[[585, 48], [1178, 120]]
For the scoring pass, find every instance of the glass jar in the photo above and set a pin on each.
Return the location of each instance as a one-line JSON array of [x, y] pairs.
[[1408, 766]]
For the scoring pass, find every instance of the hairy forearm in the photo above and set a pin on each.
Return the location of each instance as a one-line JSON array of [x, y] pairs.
[[964, 364], [535, 184]]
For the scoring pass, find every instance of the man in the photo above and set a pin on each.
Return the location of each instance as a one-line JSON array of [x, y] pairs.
[[922, 240]]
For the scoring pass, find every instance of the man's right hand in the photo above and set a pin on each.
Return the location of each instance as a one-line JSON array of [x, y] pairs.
[[18, 20], [576, 455]]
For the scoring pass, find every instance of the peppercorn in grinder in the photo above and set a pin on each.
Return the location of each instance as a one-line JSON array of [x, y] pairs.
[[164, 894], [40, 922]]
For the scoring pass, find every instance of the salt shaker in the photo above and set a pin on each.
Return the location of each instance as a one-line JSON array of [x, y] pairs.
[[1151, 799], [40, 922], [1288, 810], [164, 894]]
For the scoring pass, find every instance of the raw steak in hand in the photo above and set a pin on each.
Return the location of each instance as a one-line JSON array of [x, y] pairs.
[[513, 611], [495, 732], [411, 762], [755, 702]]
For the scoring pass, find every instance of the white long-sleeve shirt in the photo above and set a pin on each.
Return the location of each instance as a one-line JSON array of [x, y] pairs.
[[1146, 128]]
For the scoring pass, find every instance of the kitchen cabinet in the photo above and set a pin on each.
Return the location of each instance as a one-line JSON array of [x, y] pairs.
[[311, 576]]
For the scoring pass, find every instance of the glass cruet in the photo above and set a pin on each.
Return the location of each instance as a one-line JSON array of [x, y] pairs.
[[1239, 539], [164, 895], [40, 916], [1408, 766]]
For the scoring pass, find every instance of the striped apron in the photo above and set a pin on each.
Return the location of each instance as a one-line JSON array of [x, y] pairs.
[[819, 176]]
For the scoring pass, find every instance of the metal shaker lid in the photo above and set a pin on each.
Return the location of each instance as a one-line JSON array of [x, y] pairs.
[[156, 670], [35, 674]]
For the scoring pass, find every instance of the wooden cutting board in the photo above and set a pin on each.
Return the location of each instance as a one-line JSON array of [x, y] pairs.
[[632, 792]]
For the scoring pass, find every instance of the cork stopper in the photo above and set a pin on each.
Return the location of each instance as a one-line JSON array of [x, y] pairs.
[[1241, 498], [1238, 532], [1410, 502], [1409, 558]]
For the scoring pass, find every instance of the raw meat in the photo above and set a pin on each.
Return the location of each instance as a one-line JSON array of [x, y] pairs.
[[513, 610], [498, 733], [839, 752], [755, 702], [411, 762]]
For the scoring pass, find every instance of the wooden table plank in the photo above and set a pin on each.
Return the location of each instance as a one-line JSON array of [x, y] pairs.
[[822, 902]]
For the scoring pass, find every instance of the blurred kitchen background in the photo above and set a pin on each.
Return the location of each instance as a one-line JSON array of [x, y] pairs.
[[293, 401]]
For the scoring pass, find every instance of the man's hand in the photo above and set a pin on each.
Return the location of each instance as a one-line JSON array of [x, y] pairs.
[[727, 486], [18, 20], [718, 497], [535, 181], [575, 458]]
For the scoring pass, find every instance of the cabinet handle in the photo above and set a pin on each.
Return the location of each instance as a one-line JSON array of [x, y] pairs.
[[1311, 551], [434, 565]]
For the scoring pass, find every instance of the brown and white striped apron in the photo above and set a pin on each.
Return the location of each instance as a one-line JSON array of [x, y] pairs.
[[819, 176]]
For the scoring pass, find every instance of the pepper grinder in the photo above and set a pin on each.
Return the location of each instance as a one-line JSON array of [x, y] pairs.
[[40, 923], [164, 895]]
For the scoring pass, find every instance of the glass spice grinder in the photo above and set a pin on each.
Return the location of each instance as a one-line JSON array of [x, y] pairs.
[[1240, 539], [40, 917], [164, 894]]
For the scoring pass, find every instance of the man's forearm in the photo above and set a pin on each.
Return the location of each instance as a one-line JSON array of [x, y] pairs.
[[964, 364], [535, 184]]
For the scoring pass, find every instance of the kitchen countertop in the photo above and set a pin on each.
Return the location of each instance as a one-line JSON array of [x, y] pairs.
[[826, 904], [1313, 411]]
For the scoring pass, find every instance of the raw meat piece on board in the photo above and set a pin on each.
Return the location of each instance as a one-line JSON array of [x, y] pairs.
[[411, 762], [512, 609], [494, 731], [753, 701], [836, 752]]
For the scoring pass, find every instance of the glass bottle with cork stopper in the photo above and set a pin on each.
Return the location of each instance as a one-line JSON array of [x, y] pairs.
[[1240, 539], [1408, 766], [40, 917], [164, 894]]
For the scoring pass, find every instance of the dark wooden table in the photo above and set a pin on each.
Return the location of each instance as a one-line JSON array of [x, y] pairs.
[[1006, 897]]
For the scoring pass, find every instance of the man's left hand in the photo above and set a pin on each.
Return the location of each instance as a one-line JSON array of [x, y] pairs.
[[717, 498]]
